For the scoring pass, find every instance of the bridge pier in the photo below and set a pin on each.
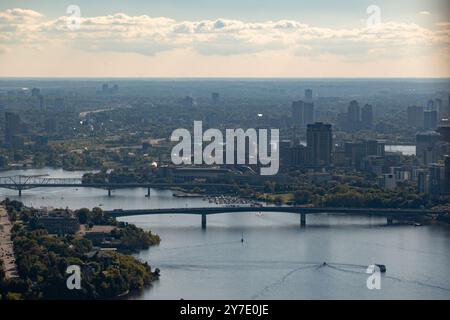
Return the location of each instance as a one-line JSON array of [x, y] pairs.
[[20, 192], [109, 192], [390, 220], [203, 221], [148, 192], [302, 220]]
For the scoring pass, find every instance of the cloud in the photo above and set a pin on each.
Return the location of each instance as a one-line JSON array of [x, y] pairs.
[[425, 13], [149, 36]]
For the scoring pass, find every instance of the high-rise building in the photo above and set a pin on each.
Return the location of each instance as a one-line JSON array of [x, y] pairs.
[[415, 116], [430, 119], [354, 116], [302, 113], [426, 147], [430, 105], [319, 143], [367, 117]]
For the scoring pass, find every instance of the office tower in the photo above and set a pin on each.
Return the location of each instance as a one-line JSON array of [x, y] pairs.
[[426, 147], [430, 120], [215, 96], [355, 153], [35, 92], [319, 142], [302, 113], [12, 128], [105, 88], [430, 105], [415, 116], [353, 116], [367, 117], [308, 95], [373, 148]]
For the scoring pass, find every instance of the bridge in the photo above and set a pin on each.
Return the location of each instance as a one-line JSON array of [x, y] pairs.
[[23, 182], [390, 214]]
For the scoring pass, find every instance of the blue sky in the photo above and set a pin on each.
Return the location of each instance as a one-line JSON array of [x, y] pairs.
[[287, 38], [320, 12]]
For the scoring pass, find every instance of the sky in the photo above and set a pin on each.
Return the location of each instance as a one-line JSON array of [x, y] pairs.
[[208, 38]]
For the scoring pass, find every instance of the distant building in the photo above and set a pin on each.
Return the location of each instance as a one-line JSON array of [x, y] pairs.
[[353, 116], [292, 154], [302, 113], [415, 116], [426, 147], [59, 222], [430, 119], [319, 144], [367, 117]]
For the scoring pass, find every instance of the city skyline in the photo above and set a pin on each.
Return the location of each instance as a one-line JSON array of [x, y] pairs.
[[205, 39]]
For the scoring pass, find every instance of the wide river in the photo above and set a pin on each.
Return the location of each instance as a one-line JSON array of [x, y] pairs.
[[278, 259]]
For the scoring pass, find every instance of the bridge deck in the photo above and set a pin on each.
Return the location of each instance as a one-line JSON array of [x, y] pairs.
[[297, 210]]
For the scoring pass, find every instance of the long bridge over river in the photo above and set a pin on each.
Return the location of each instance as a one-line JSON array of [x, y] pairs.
[[390, 214], [22, 182]]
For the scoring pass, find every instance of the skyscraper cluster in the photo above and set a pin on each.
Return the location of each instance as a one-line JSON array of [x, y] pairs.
[[356, 118]]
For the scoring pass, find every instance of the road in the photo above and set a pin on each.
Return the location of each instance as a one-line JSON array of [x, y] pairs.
[[6, 245]]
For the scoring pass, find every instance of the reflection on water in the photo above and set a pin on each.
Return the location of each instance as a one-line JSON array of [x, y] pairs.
[[278, 259]]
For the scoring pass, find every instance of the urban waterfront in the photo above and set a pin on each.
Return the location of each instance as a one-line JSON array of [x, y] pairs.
[[278, 259]]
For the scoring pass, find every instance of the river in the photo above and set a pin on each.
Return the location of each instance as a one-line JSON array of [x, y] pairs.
[[278, 259]]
